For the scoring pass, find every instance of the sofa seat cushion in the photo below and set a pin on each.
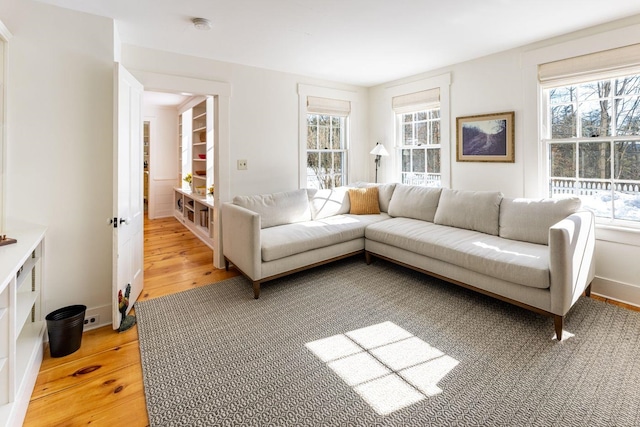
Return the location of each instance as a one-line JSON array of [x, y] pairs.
[[514, 261], [290, 239]]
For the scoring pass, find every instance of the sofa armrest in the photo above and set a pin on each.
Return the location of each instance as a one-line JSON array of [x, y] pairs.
[[571, 259], [241, 239]]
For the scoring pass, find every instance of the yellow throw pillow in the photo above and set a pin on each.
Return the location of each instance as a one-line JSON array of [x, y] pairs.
[[364, 201]]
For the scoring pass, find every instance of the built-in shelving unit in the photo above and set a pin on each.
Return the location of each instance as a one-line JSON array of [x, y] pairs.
[[22, 324], [196, 213], [179, 149], [199, 148], [146, 157], [193, 204]]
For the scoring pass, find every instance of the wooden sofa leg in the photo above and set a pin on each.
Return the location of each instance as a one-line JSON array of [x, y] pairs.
[[587, 291], [557, 320], [256, 290], [226, 264], [367, 257]]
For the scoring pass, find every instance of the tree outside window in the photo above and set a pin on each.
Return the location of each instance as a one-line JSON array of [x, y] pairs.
[[326, 151], [594, 145]]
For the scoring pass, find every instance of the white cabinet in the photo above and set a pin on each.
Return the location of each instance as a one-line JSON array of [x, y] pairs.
[[196, 213], [21, 320]]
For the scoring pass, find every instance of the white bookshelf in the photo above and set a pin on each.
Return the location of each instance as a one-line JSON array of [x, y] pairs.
[[22, 324], [196, 213]]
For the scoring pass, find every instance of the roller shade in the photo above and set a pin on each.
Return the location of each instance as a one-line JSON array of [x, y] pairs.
[[331, 107], [416, 101], [604, 64]]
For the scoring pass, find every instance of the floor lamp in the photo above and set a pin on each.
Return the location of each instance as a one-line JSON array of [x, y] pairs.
[[378, 151]]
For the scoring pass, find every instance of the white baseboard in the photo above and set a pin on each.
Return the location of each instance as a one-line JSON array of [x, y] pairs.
[[103, 312], [619, 291]]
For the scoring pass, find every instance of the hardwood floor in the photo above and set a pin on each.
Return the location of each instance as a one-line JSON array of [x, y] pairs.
[[101, 383]]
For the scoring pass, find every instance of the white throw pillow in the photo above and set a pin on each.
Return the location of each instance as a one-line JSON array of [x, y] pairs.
[[329, 202], [278, 208]]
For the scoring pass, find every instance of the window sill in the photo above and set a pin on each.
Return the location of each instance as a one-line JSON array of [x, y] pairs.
[[618, 234]]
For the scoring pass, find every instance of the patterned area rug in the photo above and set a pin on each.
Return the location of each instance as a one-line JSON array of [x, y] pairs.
[[351, 344]]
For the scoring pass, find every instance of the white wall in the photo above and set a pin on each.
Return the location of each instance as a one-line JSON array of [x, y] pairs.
[[163, 161], [507, 81], [59, 144], [263, 118]]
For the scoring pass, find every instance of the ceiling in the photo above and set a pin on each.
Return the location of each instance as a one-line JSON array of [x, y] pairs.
[[361, 42]]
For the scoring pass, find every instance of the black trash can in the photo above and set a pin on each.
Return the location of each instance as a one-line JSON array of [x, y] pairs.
[[65, 329]]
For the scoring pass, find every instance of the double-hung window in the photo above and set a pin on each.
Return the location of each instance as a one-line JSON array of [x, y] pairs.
[[591, 136], [327, 142], [418, 138]]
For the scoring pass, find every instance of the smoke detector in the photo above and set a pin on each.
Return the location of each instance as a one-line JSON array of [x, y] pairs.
[[201, 24]]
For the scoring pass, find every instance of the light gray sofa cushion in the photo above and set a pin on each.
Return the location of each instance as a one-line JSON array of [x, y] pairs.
[[328, 202], [290, 239], [472, 210], [411, 201], [529, 220], [278, 208], [523, 263], [385, 191]]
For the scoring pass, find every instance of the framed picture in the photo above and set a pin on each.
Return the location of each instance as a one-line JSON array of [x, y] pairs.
[[485, 138]]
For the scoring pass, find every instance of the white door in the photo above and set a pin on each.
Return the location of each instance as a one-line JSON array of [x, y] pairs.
[[128, 206]]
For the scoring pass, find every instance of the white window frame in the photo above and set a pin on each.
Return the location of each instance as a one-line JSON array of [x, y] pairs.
[[441, 82], [411, 177], [546, 141], [343, 151], [305, 91]]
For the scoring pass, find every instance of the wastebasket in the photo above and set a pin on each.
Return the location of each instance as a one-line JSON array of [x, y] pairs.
[[65, 329]]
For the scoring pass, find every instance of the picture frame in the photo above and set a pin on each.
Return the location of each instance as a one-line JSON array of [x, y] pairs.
[[485, 138]]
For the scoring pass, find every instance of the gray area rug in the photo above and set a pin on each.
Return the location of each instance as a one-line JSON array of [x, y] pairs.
[[354, 345]]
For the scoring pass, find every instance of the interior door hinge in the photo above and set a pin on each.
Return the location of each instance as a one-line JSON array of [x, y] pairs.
[[115, 222]]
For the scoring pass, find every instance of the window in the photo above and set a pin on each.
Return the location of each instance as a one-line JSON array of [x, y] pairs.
[[326, 151], [418, 137], [592, 141], [420, 147], [327, 142]]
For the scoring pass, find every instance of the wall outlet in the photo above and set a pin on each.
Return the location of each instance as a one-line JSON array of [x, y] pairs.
[[91, 321], [242, 165]]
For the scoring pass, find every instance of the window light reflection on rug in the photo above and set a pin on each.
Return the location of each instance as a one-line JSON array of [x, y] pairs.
[[387, 366]]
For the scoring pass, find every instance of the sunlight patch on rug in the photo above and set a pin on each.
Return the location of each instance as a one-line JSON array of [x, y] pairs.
[[386, 365]]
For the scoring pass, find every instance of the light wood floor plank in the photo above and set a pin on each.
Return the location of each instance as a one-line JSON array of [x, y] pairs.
[[101, 383]]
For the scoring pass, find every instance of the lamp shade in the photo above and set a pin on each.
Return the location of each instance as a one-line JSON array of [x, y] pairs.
[[379, 150]]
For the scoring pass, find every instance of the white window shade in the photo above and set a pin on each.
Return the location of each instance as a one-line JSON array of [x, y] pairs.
[[605, 64], [416, 101], [331, 107]]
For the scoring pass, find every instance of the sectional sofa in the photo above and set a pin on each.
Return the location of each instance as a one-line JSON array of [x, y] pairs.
[[535, 253]]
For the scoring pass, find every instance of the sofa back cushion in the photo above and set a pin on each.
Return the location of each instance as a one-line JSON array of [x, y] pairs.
[[529, 220], [385, 191], [329, 202], [278, 208], [473, 210], [413, 201]]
